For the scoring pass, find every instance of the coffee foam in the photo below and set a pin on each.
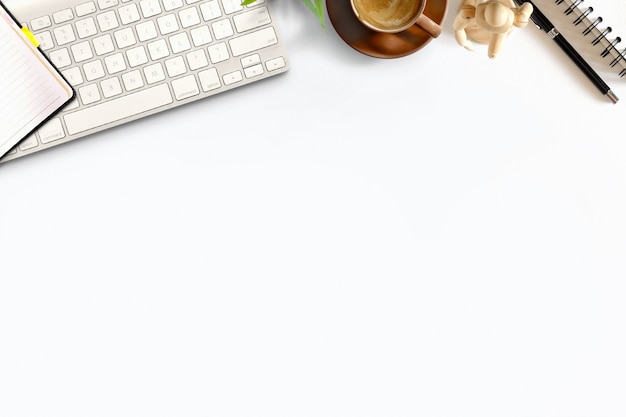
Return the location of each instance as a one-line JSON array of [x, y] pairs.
[[388, 13]]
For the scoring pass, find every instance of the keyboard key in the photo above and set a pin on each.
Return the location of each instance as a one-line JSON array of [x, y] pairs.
[[158, 49], [129, 14], [51, 131], [210, 10], [189, 17], [150, 8], [175, 66], [185, 87], [167, 24], [154, 73], [86, 28], [170, 5], [137, 56], [276, 63], [40, 23], [82, 51], [85, 9], [118, 109], [250, 60], [201, 36], [146, 31], [111, 87], [108, 21], [73, 76], [218, 52], [93, 70], [61, 58], [106, 4], [180, 43], [253, 71], [222, 29], [103, 44], [209, 80], [232, 77], [251, 20], [232, 6], [45, 40], [64, 35], [115, 63], [89, 94], [197, 59], [125, 38], [63, 16], [253, 41], [132, 80], [29, 143]]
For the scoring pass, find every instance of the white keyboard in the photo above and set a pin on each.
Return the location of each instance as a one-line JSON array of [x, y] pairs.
[[127, 59]]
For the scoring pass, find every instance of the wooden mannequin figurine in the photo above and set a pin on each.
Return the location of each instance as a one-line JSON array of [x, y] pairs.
[[488, 22]]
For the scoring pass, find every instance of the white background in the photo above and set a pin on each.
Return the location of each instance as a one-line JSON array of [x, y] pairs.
[[435, 235]]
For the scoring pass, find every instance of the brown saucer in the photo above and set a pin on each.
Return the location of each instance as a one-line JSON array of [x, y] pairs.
[[381, 45]]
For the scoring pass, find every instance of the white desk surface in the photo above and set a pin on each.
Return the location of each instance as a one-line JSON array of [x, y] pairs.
[[435, 235]]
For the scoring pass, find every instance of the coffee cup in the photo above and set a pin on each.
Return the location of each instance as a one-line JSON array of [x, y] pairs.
[[392, 16]]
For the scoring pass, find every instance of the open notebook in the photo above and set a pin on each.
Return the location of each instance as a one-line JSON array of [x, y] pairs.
[[32, 89]]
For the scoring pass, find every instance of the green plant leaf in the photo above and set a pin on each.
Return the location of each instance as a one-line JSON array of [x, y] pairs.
[[315, 6]]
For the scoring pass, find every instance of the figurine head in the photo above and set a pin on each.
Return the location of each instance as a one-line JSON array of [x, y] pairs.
[[495, 17]]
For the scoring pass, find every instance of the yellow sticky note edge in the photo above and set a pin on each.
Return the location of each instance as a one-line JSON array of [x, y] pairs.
[[30, 36]]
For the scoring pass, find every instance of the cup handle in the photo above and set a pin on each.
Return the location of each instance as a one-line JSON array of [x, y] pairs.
[[428, 25]]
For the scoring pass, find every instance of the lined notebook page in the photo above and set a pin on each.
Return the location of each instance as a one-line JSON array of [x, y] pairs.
[[31, 89]]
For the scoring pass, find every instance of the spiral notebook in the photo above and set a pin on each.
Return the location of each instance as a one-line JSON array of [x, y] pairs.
[[31, 89], [600, 26]]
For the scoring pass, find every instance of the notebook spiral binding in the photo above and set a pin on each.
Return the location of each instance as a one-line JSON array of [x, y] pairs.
[[583, 17]]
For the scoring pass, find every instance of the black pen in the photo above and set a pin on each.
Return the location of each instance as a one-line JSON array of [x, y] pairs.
[[542, 22]]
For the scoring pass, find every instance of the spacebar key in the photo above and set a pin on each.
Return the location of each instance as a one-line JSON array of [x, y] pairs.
[[118, 109]]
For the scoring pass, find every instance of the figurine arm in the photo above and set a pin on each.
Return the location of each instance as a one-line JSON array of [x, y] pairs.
[[466, 13], [495, 44], [522, 15]]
